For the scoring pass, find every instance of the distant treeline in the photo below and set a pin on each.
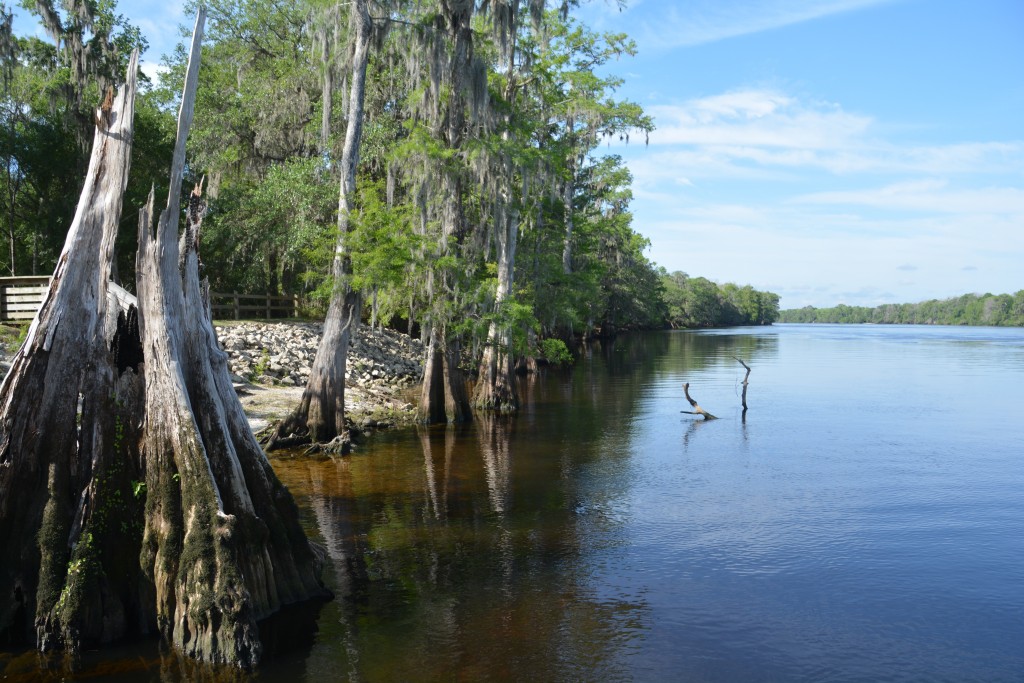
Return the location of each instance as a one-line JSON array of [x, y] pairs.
[[1006, 310], [698, 302]]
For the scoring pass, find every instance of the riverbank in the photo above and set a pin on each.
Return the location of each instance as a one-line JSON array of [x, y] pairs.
[[270, 364]]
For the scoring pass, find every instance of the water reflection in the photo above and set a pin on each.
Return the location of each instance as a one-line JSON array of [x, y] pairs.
[[602, 535], [493, 436], [460, 557]]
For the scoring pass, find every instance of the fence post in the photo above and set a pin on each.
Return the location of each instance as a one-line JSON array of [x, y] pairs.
[[238, 311]]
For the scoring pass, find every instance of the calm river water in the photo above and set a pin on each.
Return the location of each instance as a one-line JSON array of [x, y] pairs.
[[864, 522]]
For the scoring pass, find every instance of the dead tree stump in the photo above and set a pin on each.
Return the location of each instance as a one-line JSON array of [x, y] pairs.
[[746, 382], [114, 523], [69, 520], [222, 545]]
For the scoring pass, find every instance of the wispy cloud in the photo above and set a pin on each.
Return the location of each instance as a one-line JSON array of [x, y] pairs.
[[707, 21], [765, 133]]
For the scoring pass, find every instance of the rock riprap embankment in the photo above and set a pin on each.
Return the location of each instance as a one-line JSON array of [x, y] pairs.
[[272, 362], [282, 354]]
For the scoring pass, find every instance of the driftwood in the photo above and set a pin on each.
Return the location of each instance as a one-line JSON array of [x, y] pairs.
[[697, 410]]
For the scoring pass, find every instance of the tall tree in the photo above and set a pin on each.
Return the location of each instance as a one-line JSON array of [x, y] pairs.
[[320, 416], [515, 173], [452, 105]]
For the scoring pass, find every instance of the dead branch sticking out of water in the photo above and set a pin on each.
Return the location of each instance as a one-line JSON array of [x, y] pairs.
[[746, 381], [697, 410]]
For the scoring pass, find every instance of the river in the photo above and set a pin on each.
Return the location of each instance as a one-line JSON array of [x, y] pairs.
[[863, 521]]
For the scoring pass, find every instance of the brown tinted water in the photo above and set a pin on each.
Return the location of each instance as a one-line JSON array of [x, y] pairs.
[[864, 522]]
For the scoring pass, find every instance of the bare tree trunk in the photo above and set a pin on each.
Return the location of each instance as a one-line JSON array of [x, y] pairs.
[[67, 517], [496, 383], [320, 417], [222, 547], [746, 382]]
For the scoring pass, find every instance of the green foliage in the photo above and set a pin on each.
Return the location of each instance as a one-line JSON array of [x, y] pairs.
[[555, 352], [46, 123], [1002, 310], [698, 302], [260, 232]]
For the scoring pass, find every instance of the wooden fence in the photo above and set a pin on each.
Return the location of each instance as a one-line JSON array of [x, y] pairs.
[[20, 298], [250, 306]]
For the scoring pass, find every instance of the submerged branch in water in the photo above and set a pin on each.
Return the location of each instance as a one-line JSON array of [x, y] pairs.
[[697, 410]]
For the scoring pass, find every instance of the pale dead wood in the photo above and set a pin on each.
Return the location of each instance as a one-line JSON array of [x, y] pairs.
[[697, 410], [63, 581], [222, 546]]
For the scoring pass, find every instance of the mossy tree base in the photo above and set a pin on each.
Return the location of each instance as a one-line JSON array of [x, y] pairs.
[[69, 521], [134, 503]]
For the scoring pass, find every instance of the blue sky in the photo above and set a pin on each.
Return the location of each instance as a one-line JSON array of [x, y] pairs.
[[832, 151]]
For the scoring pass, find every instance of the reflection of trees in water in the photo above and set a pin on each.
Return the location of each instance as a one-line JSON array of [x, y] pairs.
[[691, 350], [463, 553], [493, 435]]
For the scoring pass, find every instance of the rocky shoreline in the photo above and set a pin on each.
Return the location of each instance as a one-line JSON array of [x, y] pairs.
[[270, 364]]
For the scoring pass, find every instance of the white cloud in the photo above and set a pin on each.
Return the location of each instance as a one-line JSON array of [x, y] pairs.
[[153, 70], [764, 133], [755, 118]]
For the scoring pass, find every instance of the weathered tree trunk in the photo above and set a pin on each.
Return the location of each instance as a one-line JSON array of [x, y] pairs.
[[320, 416], [496, 383], [68, 521], [222, 547]]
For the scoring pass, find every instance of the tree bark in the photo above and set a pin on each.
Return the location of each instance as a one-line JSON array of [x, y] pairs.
[[67, 515], [320, 416], [443, 397], [222, 546], [219, 545]]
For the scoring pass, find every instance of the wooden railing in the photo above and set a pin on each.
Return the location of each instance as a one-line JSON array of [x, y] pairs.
[[20, 298], [248, 306]]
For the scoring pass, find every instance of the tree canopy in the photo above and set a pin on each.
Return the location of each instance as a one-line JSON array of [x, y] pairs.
[[1004, 310]]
